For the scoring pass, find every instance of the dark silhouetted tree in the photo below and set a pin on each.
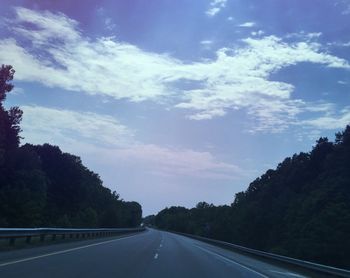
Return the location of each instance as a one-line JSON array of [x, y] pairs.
[[43, 186], [301, 209]]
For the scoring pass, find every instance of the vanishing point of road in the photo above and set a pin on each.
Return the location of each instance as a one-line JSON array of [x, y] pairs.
[[151, 254]]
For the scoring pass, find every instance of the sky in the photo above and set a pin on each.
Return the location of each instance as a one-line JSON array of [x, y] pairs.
[[177, 102]]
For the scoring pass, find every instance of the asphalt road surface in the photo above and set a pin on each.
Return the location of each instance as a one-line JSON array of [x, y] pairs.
[[147, 254]]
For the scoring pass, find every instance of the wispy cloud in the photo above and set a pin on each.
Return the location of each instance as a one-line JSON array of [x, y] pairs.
[[215, 7], [44, 124], [248, 24], [241, 80], [302, 35], [339, 44], [345, 4], [107, 139], [180, 162], [108, 22], [60, 56], [206, 42], [258, 33], [331, 121], [57, 54]]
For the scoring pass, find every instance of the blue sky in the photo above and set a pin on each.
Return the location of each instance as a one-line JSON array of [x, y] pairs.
[[176, 102]]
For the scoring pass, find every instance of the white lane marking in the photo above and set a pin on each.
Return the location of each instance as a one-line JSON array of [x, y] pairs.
[[288, 273], [63, 251], [156, 256], [231, 261], [160, 246]]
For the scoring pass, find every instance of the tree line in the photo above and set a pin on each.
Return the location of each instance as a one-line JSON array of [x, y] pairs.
[[300, 209], [41, 186]]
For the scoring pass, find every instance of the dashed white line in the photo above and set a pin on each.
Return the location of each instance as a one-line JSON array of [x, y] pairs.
[[63, 251], [156, 256], [231, 261]]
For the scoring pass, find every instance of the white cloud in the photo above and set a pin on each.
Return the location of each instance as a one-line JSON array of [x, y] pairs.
[[325, 107], [314, 35], [341, 82], [47, 26], [339, 44], [43, 124], [108, 22], [206, 42], [257, 33], [230, 18], [106, 139], [17, 91], [302, 35], [247, 24], [331, 122], [238, 78], [64, 58], [215, 7], [167, 161], [346, 6]]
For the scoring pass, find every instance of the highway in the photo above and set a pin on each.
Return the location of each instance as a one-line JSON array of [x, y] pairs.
[[151, 253]]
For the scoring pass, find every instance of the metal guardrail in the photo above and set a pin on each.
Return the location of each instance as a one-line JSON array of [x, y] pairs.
[[14, 233], [319, 268]]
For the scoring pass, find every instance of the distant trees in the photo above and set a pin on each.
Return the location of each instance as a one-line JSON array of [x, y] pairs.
[[300, 209], [149, 220], [173, 218], [205, 220], [42, 186]]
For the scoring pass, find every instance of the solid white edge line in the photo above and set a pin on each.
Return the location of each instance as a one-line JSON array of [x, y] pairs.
[[63, 251], [289, 274], [231, 261]]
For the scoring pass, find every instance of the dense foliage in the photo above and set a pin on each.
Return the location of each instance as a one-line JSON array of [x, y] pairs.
[[42, 186], [301, 209]]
